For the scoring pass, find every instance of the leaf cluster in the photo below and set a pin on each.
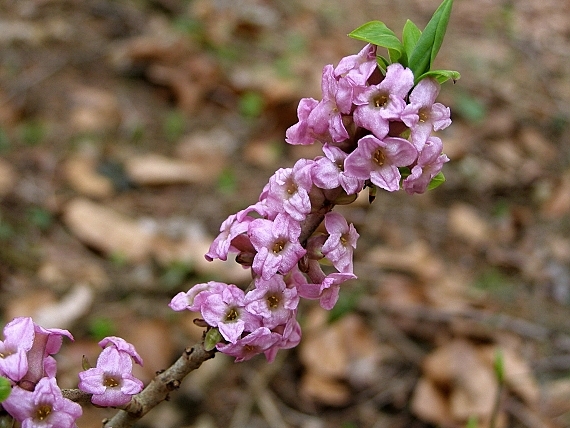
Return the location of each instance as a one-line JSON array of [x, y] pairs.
[[417, 49]]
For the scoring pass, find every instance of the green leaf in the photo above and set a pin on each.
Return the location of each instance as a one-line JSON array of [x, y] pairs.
[[499, 366], [5, 388], [410, 36], [441, 76], [377, 33], [427, 47], [437, 181], [382, 62], [213, 337]]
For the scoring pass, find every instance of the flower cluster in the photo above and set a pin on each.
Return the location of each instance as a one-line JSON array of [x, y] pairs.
[[26, 361], [375, 128]]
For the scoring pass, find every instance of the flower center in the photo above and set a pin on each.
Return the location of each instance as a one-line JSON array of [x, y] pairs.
[[43, 411], [423, 114], [380, 100], [343, 239], [110, 382], [232, 315], [278, 246], [291, 187], [273, 302], [378, 157]]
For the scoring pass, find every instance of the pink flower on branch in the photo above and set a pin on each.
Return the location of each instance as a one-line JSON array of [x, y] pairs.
[[111, 382], [44, 407], [277, 245], [378, 160]]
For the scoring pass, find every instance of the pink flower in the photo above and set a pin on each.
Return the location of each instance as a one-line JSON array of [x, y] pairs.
[[289, 337], [326, 291], [225, 310], [429, 164], [19, 338], [341, 242], [289, 188], [326, 118], [378, 160], [193, 299], [378, 104], [258, 341], [358, 68], [301, 133], [328, 172], [277, 245], [230, 228], [423, 114], [112, 382], [272, 301], [45, 407]]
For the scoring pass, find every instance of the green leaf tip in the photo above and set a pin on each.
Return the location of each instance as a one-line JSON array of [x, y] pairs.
[[431, 39], [377, 33], [213, 337], [5, 388]]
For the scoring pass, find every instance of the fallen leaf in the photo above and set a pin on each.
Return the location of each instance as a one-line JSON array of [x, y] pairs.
[[106, 230], [153, 169], [82, 176], [465, 222]]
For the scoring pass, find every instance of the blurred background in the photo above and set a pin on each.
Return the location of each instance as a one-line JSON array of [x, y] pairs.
[[129, 130]]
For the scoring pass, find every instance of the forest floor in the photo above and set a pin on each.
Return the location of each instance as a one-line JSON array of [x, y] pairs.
[[129, 130]]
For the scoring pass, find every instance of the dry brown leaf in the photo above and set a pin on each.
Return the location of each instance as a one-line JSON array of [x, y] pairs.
[[153, 169], [152, 340], [558, 204], [518, 374], [430, 404], [106, 230], [82, 176], [94, 110], [417, 258], [465, 222], [65, 312], [537, 145], [323, 389], [7, 177], [457, 368]]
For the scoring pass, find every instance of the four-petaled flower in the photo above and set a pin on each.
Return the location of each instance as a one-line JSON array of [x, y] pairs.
[[111, 382]]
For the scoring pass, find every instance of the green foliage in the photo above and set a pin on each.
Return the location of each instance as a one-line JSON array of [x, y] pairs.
[[40, 217], [472, 422], [5, 388], [213, 337], [174, 125], [417, 50], [437, 181], [251, 104], [227, 181], [32, 132], [175, 274], [4, 141], [499, 366], [101, 327], [470, 108], [427, 46], [347, 303]]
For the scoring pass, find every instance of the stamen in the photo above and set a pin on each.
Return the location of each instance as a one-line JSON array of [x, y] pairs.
[[232, 315], [380, 100], [43, 411], [110, 382], [278, 246], [424, 115], [379, 157], [273, 301]]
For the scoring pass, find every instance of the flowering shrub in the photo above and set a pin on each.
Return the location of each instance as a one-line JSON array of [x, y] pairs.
[[375, 124]]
